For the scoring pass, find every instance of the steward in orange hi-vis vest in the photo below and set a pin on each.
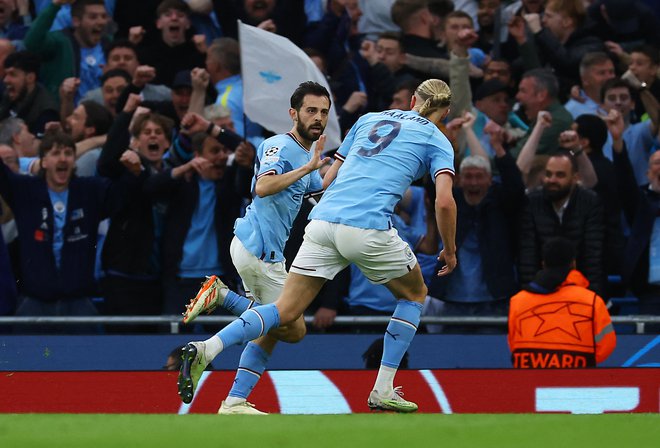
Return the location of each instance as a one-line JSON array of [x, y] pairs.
[[556, 322]]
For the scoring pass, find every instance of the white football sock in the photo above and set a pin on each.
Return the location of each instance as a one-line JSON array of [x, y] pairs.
[[385, 380], [212, 347], [233, 401]]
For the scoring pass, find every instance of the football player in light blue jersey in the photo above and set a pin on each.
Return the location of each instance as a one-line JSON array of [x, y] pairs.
[[265, 228], [382, 155], [286, 170]]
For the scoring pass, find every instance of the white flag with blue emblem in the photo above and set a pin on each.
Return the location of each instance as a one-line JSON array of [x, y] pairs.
[[272, 68]]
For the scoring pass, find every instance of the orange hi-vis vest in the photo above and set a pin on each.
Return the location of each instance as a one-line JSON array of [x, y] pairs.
[[568, 328]]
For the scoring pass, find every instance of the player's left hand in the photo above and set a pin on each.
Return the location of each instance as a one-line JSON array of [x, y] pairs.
[[450, 263]]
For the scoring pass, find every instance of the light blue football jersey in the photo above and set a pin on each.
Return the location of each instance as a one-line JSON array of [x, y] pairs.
[[267, 223], [383, 154]]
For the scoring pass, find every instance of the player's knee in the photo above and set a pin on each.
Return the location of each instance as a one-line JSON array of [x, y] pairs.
[[294, 333], [419, 294]]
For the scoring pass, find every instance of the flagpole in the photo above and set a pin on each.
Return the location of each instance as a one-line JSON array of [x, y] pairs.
[[238, 26]]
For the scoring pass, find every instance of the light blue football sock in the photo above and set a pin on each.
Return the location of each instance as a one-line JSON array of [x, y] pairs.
[[400, 332], [250, 368], [250, 325], [236, 303]]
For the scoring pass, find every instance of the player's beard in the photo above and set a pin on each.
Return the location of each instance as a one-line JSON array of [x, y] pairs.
[[305, 132]]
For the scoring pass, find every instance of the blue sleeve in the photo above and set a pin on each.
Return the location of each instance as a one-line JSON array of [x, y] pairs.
[[440, 154], [274, 160], [645, 132], [315, 184]]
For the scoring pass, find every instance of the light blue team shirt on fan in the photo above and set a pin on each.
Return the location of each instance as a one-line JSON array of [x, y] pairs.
[[267, 223], [200, 248], [383, 154]]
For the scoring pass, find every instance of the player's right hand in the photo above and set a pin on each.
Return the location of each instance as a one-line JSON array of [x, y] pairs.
[[450, 263]]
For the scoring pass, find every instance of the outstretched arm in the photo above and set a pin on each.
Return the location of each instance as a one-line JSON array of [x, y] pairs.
[[331, 174], [571, 141], [273, 184], [528, 152]]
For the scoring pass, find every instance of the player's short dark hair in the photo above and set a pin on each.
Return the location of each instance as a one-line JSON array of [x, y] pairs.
[[56, 137], [308, 88], [98, 117], [23, 60], [177, 5], [78, 7], [613, 83], [594, 129]]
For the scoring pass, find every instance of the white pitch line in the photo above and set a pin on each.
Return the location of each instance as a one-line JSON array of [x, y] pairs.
[[436, 388]]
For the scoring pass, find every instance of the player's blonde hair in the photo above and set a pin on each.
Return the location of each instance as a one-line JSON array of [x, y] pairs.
[[432, 95]]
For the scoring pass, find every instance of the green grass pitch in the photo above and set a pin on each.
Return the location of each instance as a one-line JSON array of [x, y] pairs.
[[343, 431]]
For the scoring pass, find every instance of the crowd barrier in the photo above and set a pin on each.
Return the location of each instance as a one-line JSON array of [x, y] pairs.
[[174, 322]]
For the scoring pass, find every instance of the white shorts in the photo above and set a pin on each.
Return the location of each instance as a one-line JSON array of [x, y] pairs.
[[329, 247], [263, 281]]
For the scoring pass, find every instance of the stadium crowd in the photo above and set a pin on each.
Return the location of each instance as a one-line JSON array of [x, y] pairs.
[[127, 158]]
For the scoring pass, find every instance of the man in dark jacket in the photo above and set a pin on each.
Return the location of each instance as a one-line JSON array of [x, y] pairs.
[[57, 215], [24, 97], [205, 196], [641, 206], [560, 41], [132, 282], [563, 208], [485, 239]]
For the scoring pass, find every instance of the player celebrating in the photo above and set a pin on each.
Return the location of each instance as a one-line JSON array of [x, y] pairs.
[[381, 156], [285, 171]]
